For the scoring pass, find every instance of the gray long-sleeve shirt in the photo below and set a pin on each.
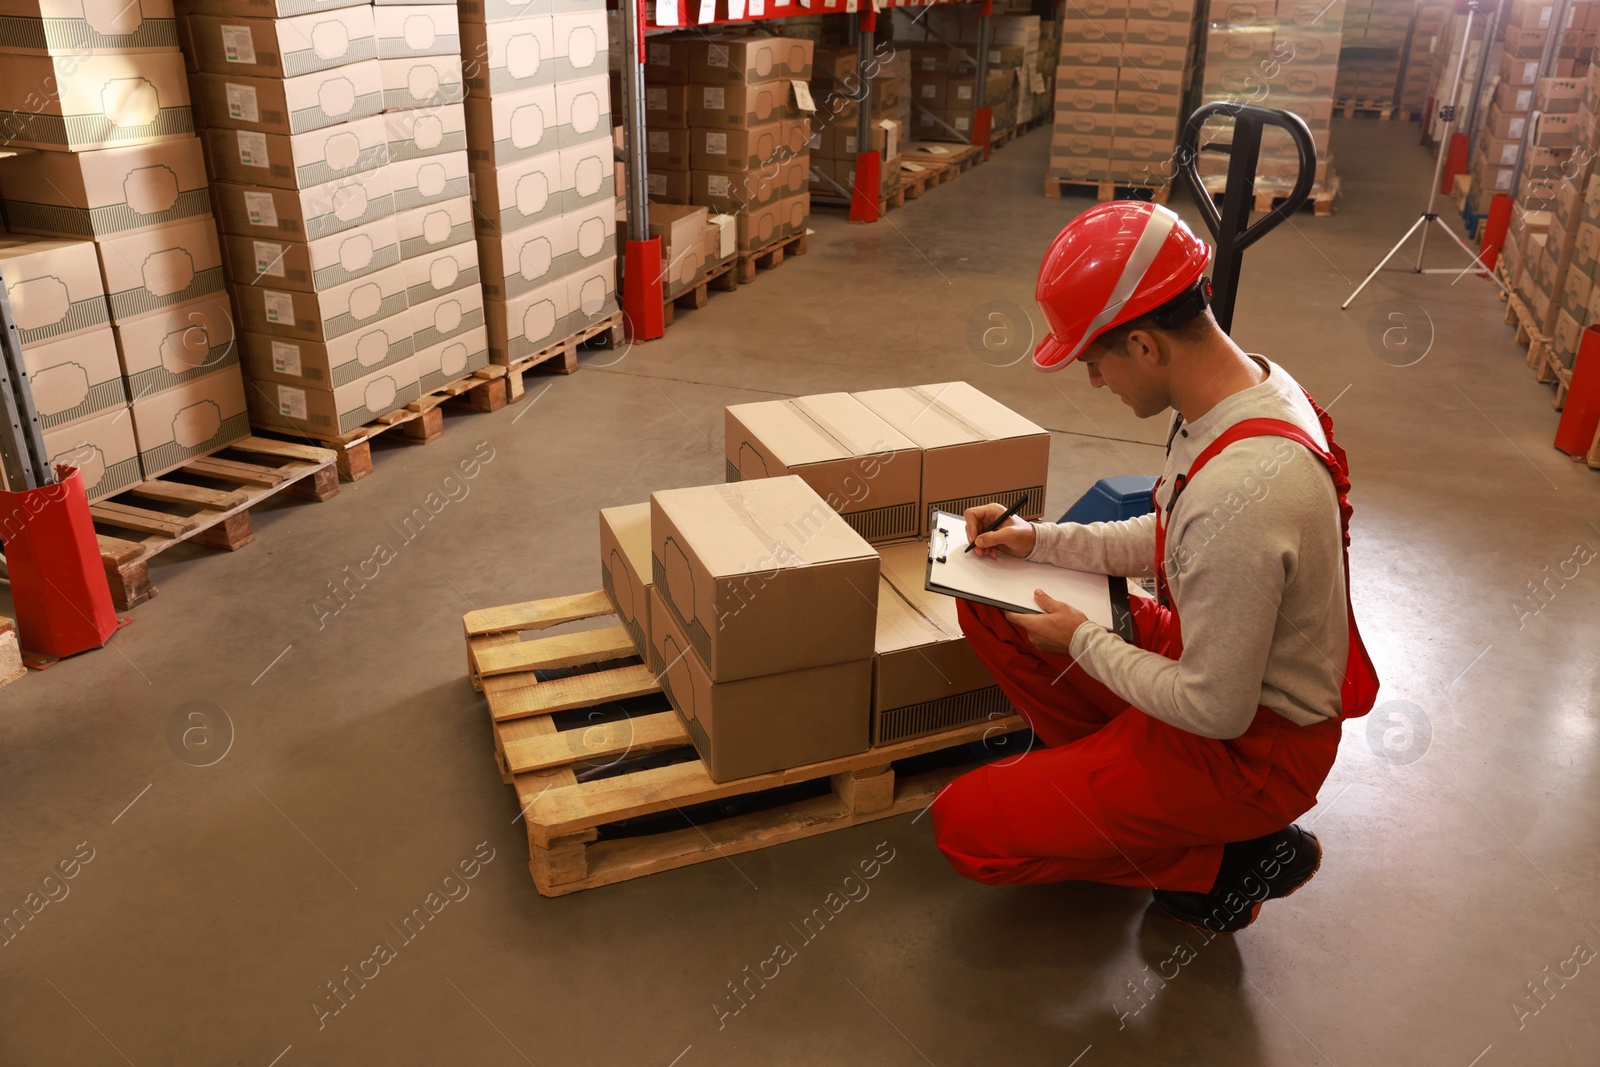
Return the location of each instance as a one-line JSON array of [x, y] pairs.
[[1255, 570]]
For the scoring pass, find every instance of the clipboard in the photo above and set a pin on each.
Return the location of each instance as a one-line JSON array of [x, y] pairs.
[[1008, 583]]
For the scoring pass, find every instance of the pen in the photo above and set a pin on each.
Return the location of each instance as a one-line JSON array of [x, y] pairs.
[[996, 524]]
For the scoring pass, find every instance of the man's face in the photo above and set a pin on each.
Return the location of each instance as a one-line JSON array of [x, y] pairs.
[[1135, 374]]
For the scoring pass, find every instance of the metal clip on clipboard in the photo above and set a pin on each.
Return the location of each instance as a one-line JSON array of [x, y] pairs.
[[939, 545]]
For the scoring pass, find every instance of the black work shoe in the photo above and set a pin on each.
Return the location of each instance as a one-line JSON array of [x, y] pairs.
[[1252, 872]]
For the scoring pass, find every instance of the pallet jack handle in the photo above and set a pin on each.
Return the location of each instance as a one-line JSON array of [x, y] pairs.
[[1230, 225]]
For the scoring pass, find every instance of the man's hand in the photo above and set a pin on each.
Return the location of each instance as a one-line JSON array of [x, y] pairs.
[[1015, 538], [1052, 631]]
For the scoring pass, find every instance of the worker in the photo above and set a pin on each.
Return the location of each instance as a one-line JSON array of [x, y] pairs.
[[1180, 761]]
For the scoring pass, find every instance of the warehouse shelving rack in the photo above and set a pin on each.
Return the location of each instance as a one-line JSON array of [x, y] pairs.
[[642, 290]]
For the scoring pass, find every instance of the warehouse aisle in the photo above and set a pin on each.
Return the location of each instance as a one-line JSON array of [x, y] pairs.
[[229, 913]]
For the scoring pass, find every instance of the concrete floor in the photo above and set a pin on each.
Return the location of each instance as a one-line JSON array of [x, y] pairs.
[[220, 900]]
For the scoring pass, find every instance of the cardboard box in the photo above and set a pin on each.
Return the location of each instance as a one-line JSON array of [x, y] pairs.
[[591, 296], [583, 110], [75, 378], [666, 106], [625, 571], [588, 174], [762, 577], [444, 318], [282, 48], [292, 105], [507, 199], [328, 412], [502, 130], [103, 449], [667, 149], [757, 725], [264, 8], [159, 267], [189, 420], [777, 221], [55, 287], [739, 106], [975, 449], [445, 270], [299, 161], [421, 81], [725, 59], [580, 48], [454, 359], [417, 133], [326, 315], [434, 227], [527, 324], [742, 149], [1242, 43], [1089, 54], [111, 191], [327, 365], [314, 266], [306, 215], [667, 60], [682, 229], [926, 678], [429, 180], [417, 30], [506, 57], [81, 27], [668, 186], [867, 471], [1090, 78], [167, 348], [78, 103], [751, 189]]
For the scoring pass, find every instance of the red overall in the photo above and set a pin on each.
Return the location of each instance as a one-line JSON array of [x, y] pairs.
[[1118, 796]]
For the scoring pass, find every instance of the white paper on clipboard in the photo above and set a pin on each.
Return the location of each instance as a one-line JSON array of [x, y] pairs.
[[1007, 582]]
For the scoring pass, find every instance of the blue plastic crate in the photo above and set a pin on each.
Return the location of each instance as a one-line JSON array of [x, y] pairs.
[[1126, 496]]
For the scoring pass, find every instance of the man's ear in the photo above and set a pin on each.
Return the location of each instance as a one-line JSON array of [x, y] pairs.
[[1145, 348]]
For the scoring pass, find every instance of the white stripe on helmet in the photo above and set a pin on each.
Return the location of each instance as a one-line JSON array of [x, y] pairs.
[[1156, 229]]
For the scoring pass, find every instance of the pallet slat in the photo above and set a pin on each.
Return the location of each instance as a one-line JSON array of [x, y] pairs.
[[646, 733], [183, 493], [554, 653], [537, 614], [578, 691]]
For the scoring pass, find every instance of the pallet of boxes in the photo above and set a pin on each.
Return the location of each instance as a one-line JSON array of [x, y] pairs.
[[1371, 53], [727, 152], [785, 669], [1288, 59], [1119, 96], [113, 265], [944, 47], [835, 80], [538, 139]]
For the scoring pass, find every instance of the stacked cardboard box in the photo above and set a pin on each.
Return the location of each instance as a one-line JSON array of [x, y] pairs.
[[731, 129], [1289, 60], [1119, 90], [103, 97], [1008, 34], [1372, 50], [539, 129], [1418, 72], [694, 242], [836, 77], [943, 82], [292, 104]]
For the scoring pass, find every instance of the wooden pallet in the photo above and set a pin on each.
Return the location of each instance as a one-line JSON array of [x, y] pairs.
[[954, 158], [770, 256], [608, 781], [11, 666], [721, 278], [1541, 358], [562, 357], [1055, 188], [998, 139], [1373, 109], [1321, 201], [187, 505], [913, 183], [894, 198]]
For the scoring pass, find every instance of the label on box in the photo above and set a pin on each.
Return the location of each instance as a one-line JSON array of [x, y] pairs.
[[802, 96], [994, 56], [253, 150], [269, 259], [963, 92], [286, 358], [715, 98], [658, 184], [719, 184], [242, 103], [279, 307], [237, 45], [716, 144], [291, 402], [717, 55], [659, 141], [929, 90], [660, 55], [260, 209], [655, 99]]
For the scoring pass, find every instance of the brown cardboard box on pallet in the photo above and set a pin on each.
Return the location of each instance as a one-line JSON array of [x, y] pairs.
[[867, 471], [419, 132], [682, 229], [744, 190], [743, 149], [667, 150], [763, 577], [530, 323], [197, 416], [102, 448], [432, 227], [507, 199], [299, 161], [503, 57], [313, 266], [81, 27], [326, 315], [323, 412], [625, 571], [77, 103], [975, 449], [776, 221], [421, 81], [75, 378], [926, 678], [159, 267], [305, 215], [452, 359], [106, 192], [507, 129], [764, 723], [668, 186], [330, 364], [292, 105], [739, 106], [725, 59], [282, 48], [666, 107], [55, 287], [163, 350]]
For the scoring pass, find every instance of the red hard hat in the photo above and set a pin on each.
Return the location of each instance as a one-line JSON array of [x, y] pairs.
[[1109, 266]]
